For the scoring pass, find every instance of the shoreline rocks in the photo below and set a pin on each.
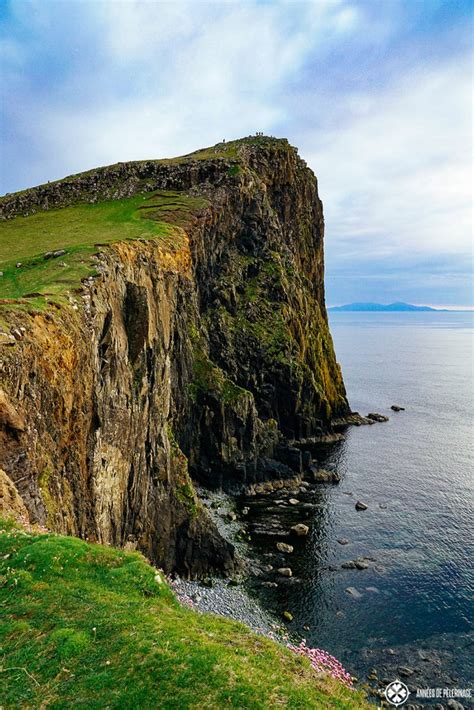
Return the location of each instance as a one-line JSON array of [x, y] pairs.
[[376, 417], [360, 505], [356, 419], [321, 475], [300, 529], [283, 547]]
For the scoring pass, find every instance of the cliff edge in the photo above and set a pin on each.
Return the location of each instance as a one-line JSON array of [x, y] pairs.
[[163, 321]]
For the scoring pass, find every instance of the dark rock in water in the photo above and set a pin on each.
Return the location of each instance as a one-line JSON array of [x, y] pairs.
[[383, 506], [360, 505], [377, 417], [343, 541], [352, 419], [355, 564], [396, 408]]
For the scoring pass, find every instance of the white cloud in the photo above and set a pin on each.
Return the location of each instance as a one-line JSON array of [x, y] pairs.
[[193, 74], [397, 174], [386, 131]]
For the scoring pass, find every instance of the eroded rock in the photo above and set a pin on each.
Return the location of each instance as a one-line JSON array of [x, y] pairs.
[[300, 529]]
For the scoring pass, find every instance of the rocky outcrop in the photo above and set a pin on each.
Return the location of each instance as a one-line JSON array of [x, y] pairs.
[[196, 359], [11, 504]]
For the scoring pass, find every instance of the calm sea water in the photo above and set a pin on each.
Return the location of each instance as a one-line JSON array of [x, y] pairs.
[[416, 607]]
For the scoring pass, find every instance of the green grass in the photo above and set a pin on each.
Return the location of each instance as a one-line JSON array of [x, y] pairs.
[[79, 230], [231, 150], [87, 626]]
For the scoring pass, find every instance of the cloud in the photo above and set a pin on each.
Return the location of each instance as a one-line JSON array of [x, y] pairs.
[[376, 95], [167, 77], [398, 173]]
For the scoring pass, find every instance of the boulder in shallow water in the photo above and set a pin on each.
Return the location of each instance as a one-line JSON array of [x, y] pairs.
[[361, 506], [285, 572], [396, 408], [376, 417], [300, 529], [283, 547], [343, 540], [349, 564], [352, 419]]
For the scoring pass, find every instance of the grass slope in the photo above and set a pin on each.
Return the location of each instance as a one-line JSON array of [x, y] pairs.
[[87, 626], [79, 230]]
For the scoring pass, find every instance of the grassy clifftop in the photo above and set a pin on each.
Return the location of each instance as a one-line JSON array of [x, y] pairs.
[[78, 231], [87, 626]]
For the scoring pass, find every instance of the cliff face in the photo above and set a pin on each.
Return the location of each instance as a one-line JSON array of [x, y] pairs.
[[201, 356]]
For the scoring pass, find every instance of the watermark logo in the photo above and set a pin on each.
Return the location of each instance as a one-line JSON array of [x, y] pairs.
[[397, 693]]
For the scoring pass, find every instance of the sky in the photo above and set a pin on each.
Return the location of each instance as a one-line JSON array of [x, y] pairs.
[[376, 95]]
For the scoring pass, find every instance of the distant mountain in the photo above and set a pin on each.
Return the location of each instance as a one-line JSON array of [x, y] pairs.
[[397, 306]]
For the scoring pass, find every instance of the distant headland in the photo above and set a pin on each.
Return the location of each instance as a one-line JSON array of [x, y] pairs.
[[397, 306]]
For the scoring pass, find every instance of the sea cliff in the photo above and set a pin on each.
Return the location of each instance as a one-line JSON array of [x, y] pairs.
[[163, 322]]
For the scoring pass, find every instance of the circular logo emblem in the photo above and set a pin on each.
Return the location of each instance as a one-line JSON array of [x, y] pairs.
[[397, 693]]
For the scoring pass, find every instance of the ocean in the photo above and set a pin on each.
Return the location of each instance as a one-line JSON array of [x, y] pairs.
[[415, 473]]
